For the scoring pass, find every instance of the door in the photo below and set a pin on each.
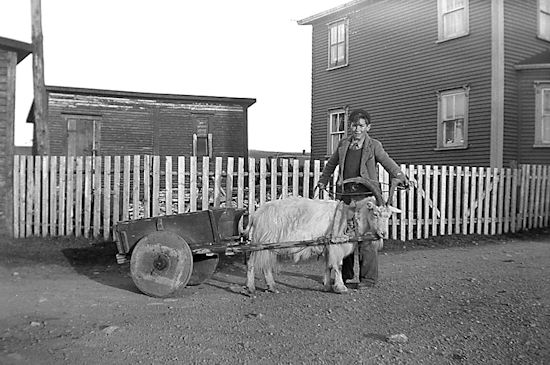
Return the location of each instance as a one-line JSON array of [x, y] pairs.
[[82, 139]]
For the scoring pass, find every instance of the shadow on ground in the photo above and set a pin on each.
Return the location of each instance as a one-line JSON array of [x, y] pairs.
[[98, 263]]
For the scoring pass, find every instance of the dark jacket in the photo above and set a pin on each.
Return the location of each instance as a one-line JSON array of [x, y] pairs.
[[373, 153]]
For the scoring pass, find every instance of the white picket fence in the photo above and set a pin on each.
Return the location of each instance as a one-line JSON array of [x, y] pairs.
[[87, 196]]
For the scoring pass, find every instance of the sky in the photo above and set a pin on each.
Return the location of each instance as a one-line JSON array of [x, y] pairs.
[[238, 48]]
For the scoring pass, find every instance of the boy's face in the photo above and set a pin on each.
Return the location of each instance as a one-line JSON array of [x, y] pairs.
[[359, 128]]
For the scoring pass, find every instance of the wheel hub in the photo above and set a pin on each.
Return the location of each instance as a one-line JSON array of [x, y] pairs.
[[161, 262]]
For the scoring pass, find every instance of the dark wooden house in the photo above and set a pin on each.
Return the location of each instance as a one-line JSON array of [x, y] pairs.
[[11, 53], [104, 122], [462, 82]]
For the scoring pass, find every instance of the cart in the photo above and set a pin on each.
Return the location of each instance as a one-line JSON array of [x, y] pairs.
[[168, 253]]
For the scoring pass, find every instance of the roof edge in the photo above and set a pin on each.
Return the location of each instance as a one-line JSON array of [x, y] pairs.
[[245, 102], [21, 48], [311, 19]]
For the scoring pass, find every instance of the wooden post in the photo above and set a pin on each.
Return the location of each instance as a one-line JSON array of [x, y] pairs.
[[42, 134]]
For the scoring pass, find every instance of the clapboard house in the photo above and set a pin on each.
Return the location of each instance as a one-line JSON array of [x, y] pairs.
[[11, 53], [92, 122], [462, 82]]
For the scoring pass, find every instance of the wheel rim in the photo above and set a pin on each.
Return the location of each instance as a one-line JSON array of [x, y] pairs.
[[161, 264], [203, 268]]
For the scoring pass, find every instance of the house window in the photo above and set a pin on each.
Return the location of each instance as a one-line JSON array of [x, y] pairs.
[[542, 119], [202, 145], [452, 126], [337, 129], [338, 44], [453, 19], [544, 19]]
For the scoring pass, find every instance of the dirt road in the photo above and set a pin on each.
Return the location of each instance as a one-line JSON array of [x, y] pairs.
[[66, 302]]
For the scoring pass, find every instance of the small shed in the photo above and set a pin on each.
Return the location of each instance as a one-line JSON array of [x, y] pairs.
[[90, 122], [11, 53]]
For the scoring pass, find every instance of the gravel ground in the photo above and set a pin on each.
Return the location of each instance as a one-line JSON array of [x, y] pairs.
[[447, 300]]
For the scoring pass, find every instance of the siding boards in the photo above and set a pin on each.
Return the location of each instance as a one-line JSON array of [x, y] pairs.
[[139, 126], [394, 73], [521, 42]]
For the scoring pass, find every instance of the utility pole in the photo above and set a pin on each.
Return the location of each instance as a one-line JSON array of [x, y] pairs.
[[41, 128]]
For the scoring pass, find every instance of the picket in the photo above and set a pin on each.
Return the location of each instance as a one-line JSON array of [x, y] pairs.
[[76, 195], [217, 182], [273, 178], [116, 190], [97, 191], [30, 197], [546, 195], [37, 189], [410, 205], [507, 201], [205, 182], [53, 195], [22, 202], [181, 183], [136, 182], [61, 196], [146, 186], [419, 210], [193, 196], [106, 198], [70, 194], [240, 182], [16, 194], [263, 180], [87, 194], [306, 179], [465, 198], [444, 200], [155, 210], [126, 189], [487, 201], [44, 195], [284, 184], [251, 181], [229, 182]]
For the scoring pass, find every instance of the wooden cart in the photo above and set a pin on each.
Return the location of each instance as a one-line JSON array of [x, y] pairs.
[[170, 252]]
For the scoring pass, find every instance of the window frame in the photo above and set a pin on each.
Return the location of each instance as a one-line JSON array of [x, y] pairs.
[[540, 14], [540, 87], [440, 24], [343, 133], [331, 25], [440, 121]]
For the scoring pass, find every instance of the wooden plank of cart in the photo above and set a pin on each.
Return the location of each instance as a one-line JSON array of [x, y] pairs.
[[170, 252]]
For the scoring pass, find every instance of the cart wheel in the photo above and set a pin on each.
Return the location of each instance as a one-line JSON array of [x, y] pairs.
[[161, 263], [203, 268]]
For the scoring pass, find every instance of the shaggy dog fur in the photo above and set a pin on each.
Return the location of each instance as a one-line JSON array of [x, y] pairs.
[[300, 219]]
